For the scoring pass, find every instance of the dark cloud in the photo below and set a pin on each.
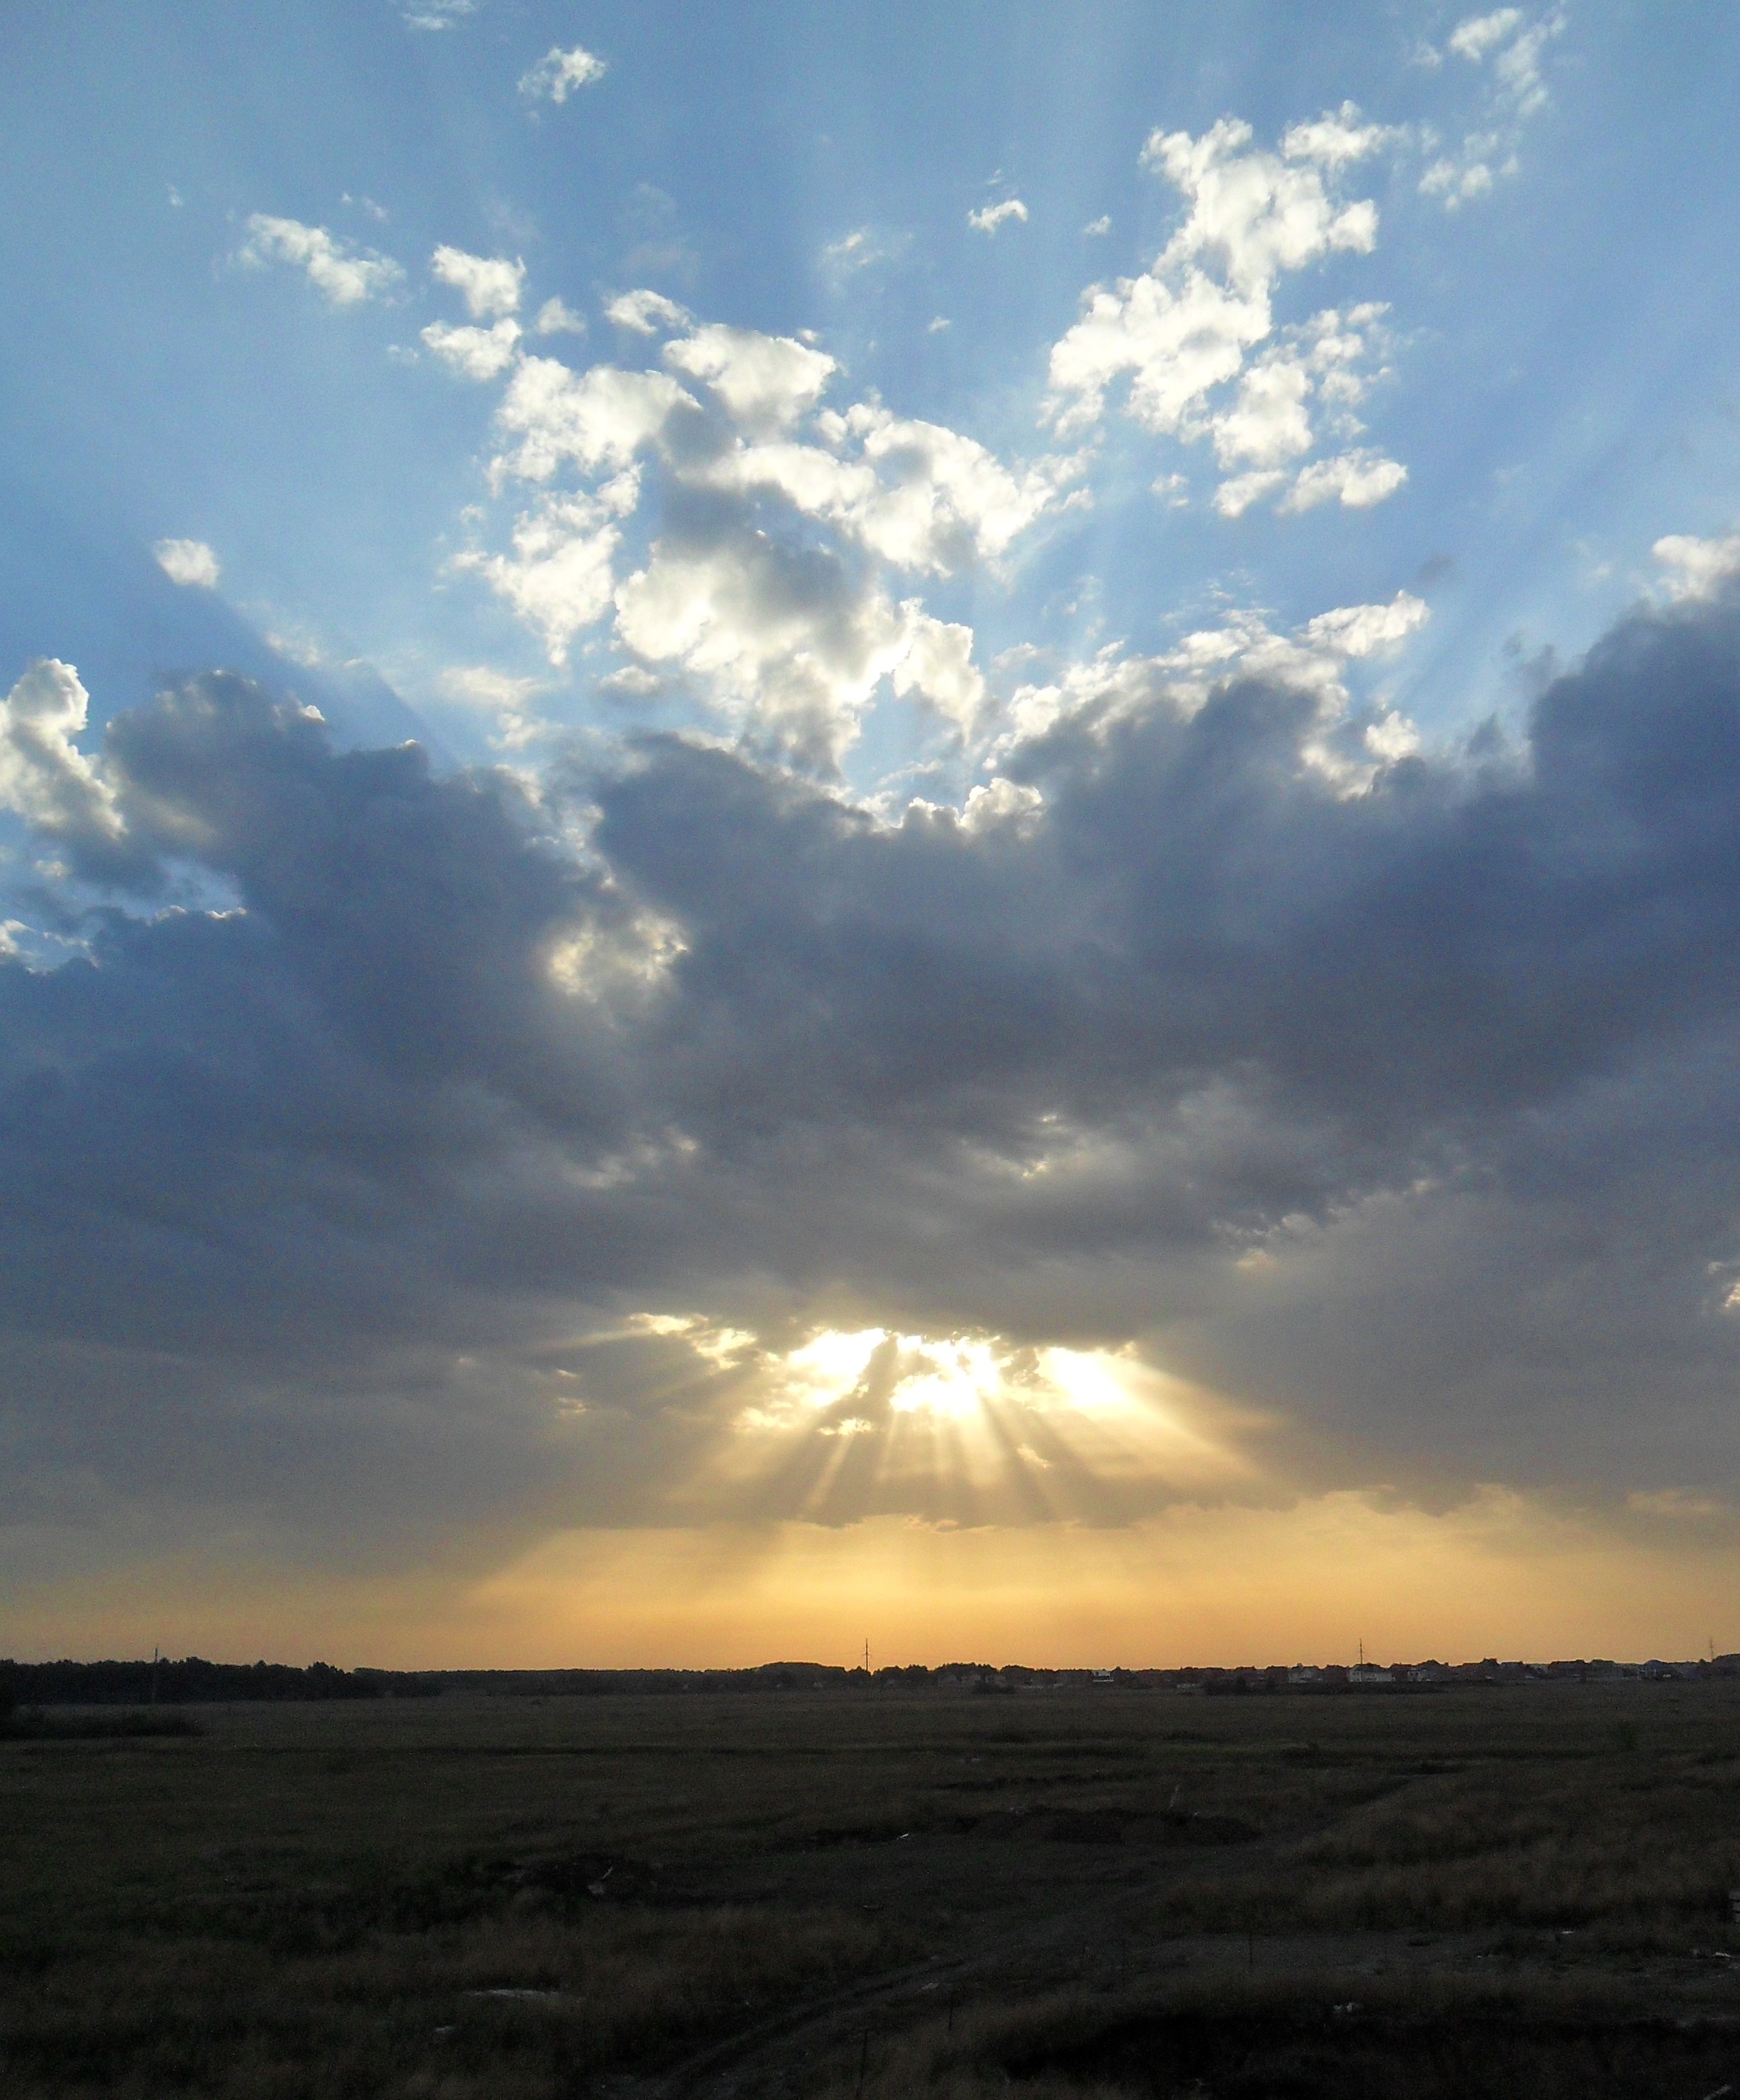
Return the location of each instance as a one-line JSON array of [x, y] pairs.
[[1410, 1113]]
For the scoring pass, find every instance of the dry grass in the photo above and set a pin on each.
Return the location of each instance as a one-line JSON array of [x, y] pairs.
[[309, 1904]]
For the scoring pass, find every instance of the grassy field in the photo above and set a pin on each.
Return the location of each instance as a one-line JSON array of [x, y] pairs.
[[878, 1893]]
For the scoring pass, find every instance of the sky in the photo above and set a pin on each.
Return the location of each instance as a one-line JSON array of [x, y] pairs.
[[823, 824]]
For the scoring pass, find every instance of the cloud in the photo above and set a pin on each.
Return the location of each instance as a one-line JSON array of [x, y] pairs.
[[1187, 333], [1095, 228], [558, 578], [1338, 138], [604, 1151], [1698, 569], [436, 15], [988, 218], [646, 313], [559, 73], [1474, 38], [599, 418], [491, 285], [766, 382], [44, 776], [1489, 151], [864, 248], [554, 318], [475, 353], [345, 274], [784, 638], [188, 562], [1357, 479]]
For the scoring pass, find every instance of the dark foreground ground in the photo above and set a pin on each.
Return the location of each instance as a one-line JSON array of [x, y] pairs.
[[1518, 1892]]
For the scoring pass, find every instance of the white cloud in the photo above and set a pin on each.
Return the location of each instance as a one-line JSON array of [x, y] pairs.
[[438, 14], [597, 419], [1338, 138], [1234, 497], [1183, 333], [783, 624], [1268, 423], [862, 248], [475, 353], [938, 664], [785, 647], [1516, 48], [1697, 569], [559, 74], [187, 561], [491, 284], [990, 216], [1474, 38], [507, 700], [1175, 340], [1458, 183], [554, 318], [1112, 687], [347, 274], [1358, 479], [559, 577], [937, 323], [767, 382], [646, 313], [1255, 214], [44, 776], [1095, 228]]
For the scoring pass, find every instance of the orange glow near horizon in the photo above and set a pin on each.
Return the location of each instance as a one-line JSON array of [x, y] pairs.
[[1230, 1585]]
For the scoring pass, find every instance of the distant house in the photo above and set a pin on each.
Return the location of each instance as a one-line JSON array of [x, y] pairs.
[[1368, 1673], [1305, 1673]]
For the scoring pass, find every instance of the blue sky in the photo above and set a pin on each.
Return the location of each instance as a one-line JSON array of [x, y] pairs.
[[1553, 380], [945, 568]]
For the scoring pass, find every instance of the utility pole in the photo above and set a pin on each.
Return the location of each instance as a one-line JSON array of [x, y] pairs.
[[866, 1654]]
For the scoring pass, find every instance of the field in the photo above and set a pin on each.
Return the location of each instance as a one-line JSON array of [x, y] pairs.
[[873, 1893]]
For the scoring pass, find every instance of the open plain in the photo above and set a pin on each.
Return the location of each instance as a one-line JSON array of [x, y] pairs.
[[877, 1893]]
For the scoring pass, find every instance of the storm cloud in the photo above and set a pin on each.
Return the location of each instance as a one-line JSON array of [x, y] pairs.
[[387, 1155]]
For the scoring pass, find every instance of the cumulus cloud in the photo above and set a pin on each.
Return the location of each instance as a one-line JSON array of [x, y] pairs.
[[1698, 568], [475, 353], [554, 318], [490, 284], [766, 382], [988, 218], [346, 275], [559, 73], [1338, 138], [188, 562], [1187, 337], [646, 313], [784, 635], [44, 776]]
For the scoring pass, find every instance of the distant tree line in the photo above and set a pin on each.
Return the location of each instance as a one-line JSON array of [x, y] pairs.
[[192, 1681]]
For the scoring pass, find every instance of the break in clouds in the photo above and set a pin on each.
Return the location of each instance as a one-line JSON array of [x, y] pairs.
[[1223, 1095]]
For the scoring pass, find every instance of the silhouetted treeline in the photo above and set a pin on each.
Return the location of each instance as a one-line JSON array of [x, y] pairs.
[[191, 1682]]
